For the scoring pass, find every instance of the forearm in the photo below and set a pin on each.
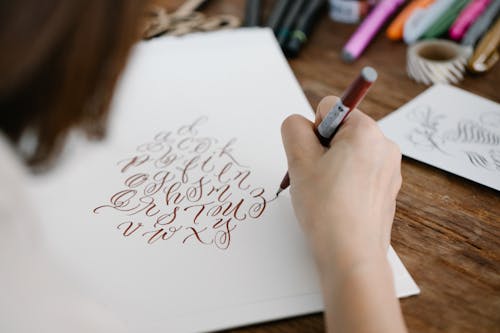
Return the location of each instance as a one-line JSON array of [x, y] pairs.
[[361, 298]]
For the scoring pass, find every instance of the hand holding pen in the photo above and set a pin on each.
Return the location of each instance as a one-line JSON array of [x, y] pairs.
[[344, 198], [339, 112]]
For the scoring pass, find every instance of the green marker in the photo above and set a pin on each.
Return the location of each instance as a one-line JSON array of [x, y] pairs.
[[443, 23]]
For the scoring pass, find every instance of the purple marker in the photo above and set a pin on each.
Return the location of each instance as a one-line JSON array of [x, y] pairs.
[[367, 30], [466, 17]]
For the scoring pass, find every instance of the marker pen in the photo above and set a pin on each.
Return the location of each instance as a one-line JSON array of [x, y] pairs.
[[252, 13], [443, 23], [422, 18], [289, 21], [304, 26], [277, 14], [478, 28], [467, 17], [369, 28], [486, 55], [395, 30]]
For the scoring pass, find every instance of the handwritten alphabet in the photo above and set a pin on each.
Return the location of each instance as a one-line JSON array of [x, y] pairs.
[[185, 187]]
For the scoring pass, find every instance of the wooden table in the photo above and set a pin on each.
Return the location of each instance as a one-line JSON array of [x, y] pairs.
[[447, 229]]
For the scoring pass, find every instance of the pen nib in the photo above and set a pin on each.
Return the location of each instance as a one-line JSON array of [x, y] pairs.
[[279, 191]]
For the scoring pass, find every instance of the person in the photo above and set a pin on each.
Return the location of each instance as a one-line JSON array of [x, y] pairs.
[[59, 64]]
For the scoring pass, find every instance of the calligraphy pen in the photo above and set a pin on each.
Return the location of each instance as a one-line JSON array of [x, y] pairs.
[[252, 13], [339, 112]]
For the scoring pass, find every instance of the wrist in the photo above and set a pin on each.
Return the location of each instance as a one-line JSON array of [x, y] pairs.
[[339, 250], [353, 298], [341, 262]]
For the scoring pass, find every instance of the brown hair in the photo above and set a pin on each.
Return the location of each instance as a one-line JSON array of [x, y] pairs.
[[59, 63]]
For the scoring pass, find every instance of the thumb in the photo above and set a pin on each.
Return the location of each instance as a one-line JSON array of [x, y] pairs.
[[302, 147]]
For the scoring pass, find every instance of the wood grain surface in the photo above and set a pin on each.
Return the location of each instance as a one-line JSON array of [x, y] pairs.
[[447, 228]]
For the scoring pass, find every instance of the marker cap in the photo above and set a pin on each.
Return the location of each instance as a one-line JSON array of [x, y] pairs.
[[358, 89]]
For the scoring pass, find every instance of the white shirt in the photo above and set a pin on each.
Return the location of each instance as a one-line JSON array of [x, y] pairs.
[[35, 294]]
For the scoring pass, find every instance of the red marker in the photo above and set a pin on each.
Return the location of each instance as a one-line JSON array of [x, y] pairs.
[[334, 119]]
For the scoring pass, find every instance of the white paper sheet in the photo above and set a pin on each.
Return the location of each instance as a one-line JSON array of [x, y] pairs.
[[210, 91], [451, 129]]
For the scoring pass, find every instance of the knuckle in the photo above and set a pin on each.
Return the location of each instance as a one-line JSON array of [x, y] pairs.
[[395, 147], [395, 152], [288, 122], [398, 182], [371, 135], [328, 102], [374, 130], [370, 128]]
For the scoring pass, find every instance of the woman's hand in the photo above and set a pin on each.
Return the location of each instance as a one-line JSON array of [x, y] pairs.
[[345, 195], [345, 198]]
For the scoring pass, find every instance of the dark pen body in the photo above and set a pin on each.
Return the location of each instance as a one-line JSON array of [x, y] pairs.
[[289, 21], [252, 13], [304, 26], [277, 15]]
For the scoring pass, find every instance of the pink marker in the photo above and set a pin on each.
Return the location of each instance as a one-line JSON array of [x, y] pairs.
[[466, 17], [369, 28]]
